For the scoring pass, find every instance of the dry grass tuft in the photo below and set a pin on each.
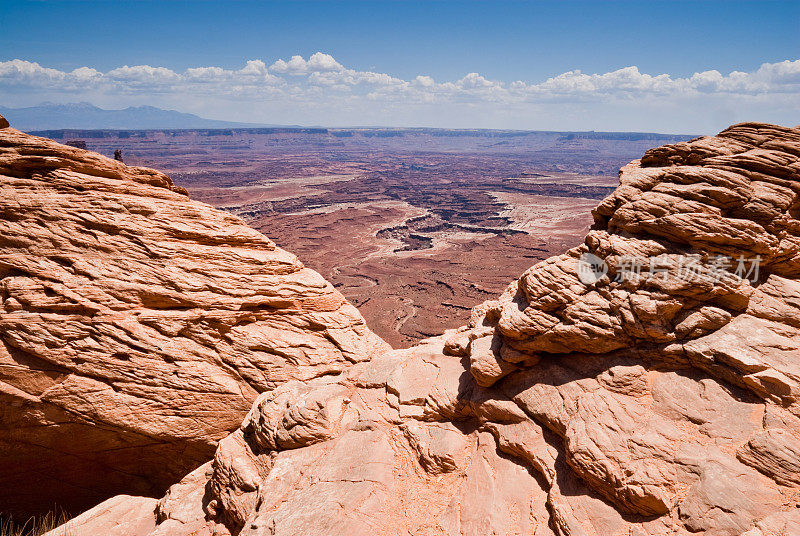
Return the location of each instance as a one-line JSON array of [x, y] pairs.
[[34, 526]]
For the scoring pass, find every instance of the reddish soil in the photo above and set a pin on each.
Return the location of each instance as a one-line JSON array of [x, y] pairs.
[[413, 226]]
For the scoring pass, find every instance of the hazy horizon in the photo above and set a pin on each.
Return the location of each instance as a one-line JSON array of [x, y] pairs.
[[243, 125]]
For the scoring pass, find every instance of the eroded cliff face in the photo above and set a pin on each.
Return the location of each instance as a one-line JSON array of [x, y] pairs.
[[137, 326], [659, 400]]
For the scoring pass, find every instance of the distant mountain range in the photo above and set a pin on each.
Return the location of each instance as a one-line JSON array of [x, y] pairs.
[[48, 117], [83, 115]]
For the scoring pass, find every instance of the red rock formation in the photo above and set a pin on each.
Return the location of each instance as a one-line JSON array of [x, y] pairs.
[[651, 404], [138, 326]]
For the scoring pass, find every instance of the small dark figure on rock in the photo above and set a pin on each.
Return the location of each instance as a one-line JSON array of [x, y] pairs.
[[118, 155]]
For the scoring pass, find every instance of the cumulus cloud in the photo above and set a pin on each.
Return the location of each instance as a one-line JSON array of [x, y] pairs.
[[476, 81], [254, 76], [424, 81], [31, 74], [142, 77], [317, 63], [321, 82]]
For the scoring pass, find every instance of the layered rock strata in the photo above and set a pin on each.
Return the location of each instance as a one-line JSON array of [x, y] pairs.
[[659, 396], [137, 326]]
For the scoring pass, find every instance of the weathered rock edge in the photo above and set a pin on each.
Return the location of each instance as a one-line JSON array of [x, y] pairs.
[[655, 405], [138, 326]]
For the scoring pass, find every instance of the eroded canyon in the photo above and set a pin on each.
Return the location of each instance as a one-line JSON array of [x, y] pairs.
[[413, 226], [146, 336]]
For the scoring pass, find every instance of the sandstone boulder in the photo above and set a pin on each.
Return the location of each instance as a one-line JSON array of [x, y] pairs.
[[137, 326]]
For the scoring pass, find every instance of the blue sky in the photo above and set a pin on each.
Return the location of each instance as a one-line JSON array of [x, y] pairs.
[[502, 42]]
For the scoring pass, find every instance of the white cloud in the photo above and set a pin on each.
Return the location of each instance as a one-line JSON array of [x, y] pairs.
[[205, 74], [782, 76], [476, 81], [317, 63], [143, 76], [335, 93], [254, 68], [622, 81], [86, 74], [26, 73]]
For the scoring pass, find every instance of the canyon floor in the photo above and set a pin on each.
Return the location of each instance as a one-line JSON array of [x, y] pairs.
[[413, 226]]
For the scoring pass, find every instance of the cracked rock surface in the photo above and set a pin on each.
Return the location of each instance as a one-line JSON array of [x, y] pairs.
[[138, 326], [650, 404]]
